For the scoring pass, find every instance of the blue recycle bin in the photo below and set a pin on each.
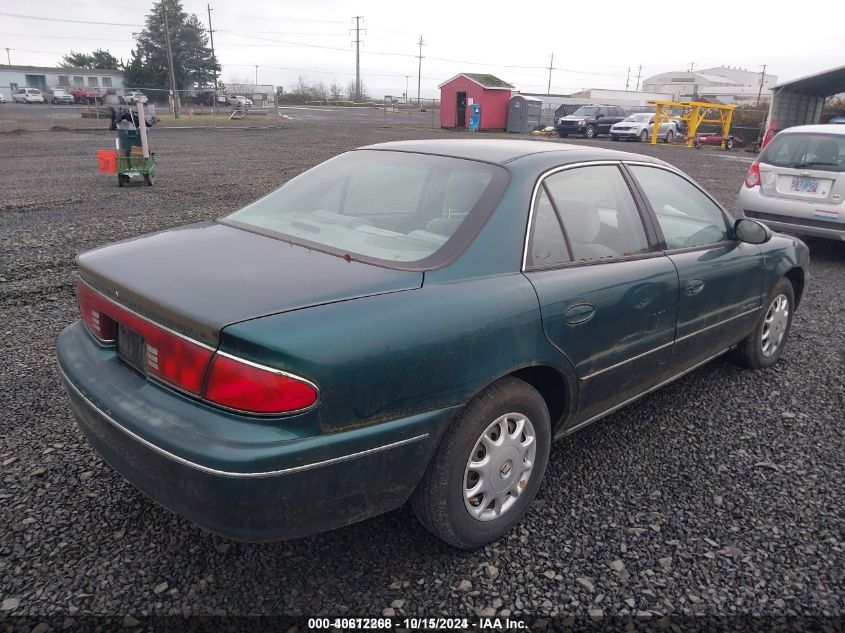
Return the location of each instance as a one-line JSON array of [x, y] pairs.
[[474, 117]]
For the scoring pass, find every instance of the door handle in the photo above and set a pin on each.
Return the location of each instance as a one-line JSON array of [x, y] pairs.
[[579, 313], [694, 286]]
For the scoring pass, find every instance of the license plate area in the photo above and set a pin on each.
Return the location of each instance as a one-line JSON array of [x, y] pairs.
[[804, 185], [131, 348]]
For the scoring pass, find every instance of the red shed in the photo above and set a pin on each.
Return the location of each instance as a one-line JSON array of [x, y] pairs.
[[488, 91]]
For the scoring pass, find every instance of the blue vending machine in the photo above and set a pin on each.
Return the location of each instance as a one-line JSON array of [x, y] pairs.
[[474, 117]]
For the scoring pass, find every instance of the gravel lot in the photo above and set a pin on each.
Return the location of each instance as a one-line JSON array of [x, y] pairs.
[[721, 494]]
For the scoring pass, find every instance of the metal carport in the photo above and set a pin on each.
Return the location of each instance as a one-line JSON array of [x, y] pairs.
[[800, 101]]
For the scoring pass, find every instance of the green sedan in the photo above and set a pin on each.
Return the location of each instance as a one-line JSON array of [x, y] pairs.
[[412, 321]]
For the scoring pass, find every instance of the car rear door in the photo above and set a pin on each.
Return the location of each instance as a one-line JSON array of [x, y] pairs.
[[608, 296], [720, 278]]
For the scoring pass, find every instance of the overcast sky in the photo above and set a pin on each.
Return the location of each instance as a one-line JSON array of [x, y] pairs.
[[594, 43]]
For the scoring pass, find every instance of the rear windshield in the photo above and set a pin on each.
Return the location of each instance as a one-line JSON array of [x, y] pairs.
[[825, 152], [409, 210]]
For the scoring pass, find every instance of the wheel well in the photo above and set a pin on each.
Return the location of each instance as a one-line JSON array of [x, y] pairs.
[[796, 278], [553, 386]]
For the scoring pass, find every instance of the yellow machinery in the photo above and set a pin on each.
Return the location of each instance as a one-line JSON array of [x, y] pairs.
[[695, 113]]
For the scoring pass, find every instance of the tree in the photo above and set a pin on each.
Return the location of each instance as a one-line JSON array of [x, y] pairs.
[[98, 60], [193, 63]]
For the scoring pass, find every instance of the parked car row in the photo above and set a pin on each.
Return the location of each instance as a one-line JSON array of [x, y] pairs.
[[590, 121]]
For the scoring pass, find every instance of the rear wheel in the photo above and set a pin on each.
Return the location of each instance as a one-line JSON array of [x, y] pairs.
[[149, 179], [764, 345], [561, 134], [488, 466], [729, 143], [670, 135]]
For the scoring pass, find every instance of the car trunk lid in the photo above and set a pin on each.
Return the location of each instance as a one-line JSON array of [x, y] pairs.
[[200, 278]]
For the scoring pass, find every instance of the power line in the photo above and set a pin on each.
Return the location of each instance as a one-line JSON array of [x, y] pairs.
[[39, 17]]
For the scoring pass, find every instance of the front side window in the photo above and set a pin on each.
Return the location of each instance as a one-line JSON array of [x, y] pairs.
[[387, 206], [687, 217], [598, 213]]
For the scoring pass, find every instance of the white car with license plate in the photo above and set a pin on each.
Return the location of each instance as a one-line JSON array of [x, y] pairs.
[[797, 183], [639, 127]]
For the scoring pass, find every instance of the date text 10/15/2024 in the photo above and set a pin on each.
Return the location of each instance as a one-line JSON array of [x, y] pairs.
[[411, 623]]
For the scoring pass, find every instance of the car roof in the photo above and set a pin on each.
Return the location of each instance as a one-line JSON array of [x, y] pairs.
[[821, 129], [501, 151]]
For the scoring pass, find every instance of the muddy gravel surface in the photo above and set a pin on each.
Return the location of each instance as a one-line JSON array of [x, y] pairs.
[[721, 494]]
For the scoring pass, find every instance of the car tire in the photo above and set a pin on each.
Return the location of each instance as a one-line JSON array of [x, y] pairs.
[[764, 345], [670, 135], [614, 138], [440, 501], [590, 132], [644, 136], [729, 143], [149, 179], [561, 134]]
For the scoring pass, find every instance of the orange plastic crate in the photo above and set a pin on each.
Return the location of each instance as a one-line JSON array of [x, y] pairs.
[[108, 160]]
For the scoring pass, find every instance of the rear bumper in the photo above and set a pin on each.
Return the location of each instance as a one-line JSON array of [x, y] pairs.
[[243, 478], [791, 216]]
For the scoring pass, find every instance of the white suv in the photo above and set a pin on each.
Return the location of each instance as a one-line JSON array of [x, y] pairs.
[[797, 183], [28, 95]]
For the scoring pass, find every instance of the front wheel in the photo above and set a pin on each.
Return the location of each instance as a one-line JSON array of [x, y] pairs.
[[590, 132], [488, 466], [644, 136], [764, 345]]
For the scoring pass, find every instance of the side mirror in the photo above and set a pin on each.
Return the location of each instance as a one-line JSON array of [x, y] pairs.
[[752, 231]]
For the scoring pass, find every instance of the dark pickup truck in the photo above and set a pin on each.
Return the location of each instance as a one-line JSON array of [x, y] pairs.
[[590, 121]]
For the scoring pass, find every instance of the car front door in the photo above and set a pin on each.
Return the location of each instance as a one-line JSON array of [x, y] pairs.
[[720, 278], [608, 296], [602, 125]]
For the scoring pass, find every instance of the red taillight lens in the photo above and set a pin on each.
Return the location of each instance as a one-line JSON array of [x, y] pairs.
[[97, 322], [752, 178], [182, 362], [171, 357], [247, 387]]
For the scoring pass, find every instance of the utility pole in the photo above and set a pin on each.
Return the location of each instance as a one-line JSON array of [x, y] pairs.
[[174, 94], [419, 72], [628, 78], [214, 87], [762, 79], [358, 57], [256, 76], [639, 74], [691, 66], [8, 58], [551, 67]]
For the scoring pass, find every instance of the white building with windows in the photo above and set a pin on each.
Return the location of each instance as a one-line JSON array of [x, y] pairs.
[[14, 77], [722, 83]]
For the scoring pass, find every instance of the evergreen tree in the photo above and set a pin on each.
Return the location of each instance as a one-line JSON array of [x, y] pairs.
[[193, 63], [98, 60]]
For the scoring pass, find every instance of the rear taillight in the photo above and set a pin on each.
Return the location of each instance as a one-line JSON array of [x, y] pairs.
[[752, 178], [245, 386], [171, 357], [182, 362]]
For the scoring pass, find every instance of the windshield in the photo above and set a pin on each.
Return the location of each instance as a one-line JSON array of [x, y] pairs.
[[378, 205], [585, 111], [825, 152], [639, 118]]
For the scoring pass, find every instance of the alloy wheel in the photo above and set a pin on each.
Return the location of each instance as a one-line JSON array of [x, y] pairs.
[[499, 466]]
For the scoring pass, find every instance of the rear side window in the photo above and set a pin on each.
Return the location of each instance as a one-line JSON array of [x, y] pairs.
[[546, 244], [825, 152], [599, 215], [685, 214]]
